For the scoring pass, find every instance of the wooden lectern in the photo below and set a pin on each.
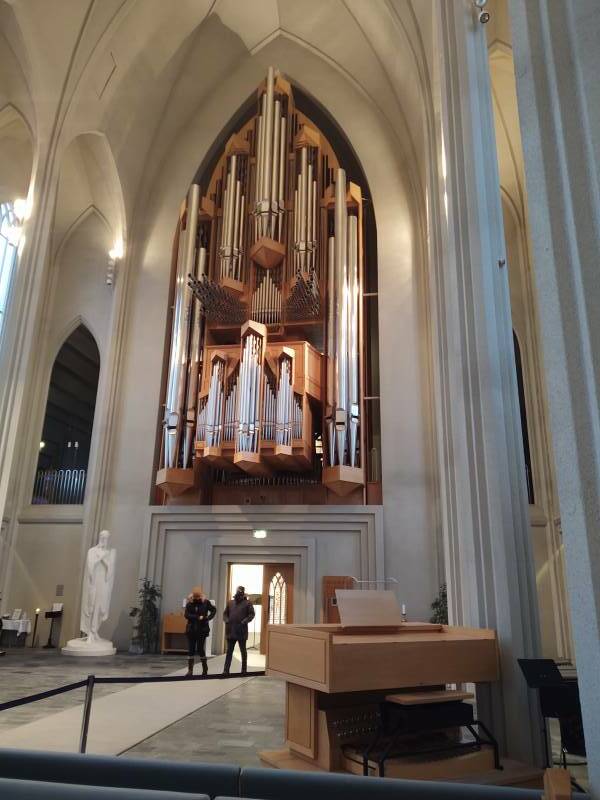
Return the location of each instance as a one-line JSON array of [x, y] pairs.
[[348, 684]]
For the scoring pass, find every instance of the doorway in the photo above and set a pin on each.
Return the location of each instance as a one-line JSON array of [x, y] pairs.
[[270, 587]]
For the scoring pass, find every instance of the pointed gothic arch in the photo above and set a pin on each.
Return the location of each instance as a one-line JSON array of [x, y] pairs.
[[68, 421]]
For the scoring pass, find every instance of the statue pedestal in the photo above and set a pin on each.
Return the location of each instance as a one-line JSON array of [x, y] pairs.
[[83, 647]]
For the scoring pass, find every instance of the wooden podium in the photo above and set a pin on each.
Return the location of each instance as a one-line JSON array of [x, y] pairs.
[[340, 678]]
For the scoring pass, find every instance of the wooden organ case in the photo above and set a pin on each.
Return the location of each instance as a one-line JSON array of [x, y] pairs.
[[264, 386]]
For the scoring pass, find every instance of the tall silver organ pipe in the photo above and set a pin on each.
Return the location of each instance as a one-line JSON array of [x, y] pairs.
[[305, 217], [231, 408], [331, 349], [342, 334], [194, 366], [353, 354], [201, 423], [270, 165], [298, 417], [232, 227], [182, 316], [266, 299], [285, 399], [249, 397], [269, 408], [215, 407]]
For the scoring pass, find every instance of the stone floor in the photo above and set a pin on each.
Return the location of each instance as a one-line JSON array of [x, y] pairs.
[[233, 728], [25, 671]]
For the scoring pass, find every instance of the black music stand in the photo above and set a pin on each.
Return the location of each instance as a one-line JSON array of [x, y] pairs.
[[51, 615], [559, 699]]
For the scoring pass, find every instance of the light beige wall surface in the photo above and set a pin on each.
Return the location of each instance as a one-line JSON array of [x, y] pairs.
[[48, 556]]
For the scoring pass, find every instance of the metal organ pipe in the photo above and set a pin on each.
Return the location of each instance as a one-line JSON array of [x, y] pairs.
[[298, 417], [341, 302], [230, 409], [342, 334], [182, 313], [266, 299], [194, 366], [353, 310], [283, 422], [214, 423], [248, 416], [282, 163], [331, 349], [275, 157], [305, 225], [270, 164], [232, 228]]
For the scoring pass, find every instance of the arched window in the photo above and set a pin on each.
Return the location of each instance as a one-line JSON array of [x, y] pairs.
[[67, 433], [9, 240], [277, 600], [524, 426]]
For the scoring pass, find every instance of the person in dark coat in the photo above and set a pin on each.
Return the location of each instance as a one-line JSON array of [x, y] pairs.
[[238, 613], [199, 611]]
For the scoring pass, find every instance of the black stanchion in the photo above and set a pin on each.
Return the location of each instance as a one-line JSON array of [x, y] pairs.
[[87, 710], [89, 692], [32, 698], [184, 678]]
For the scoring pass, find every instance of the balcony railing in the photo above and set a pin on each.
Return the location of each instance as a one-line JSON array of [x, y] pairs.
[[59, 487]]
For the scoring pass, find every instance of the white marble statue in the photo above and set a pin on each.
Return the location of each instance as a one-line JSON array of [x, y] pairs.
[[98, 582]]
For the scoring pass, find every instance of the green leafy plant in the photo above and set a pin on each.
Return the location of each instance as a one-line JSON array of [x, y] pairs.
[[147, 618], [440, 607]]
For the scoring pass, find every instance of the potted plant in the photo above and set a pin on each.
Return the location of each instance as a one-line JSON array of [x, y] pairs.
[[440, 607], [147, 618]]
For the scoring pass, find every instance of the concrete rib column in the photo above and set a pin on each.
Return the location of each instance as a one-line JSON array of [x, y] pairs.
[[488, 558], [557, 62]]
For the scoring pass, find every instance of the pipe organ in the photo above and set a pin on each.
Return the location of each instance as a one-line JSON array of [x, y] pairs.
[[266, 366]]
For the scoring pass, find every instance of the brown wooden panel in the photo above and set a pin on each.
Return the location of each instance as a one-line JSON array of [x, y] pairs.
[[301, 719], [302, 657], [330, 611], [419, 661]]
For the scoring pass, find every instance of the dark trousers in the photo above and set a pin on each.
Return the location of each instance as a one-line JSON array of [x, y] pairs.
[[196, 644], [231, 643]]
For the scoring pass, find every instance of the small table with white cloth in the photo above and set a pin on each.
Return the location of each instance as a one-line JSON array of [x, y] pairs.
[[14, 632]]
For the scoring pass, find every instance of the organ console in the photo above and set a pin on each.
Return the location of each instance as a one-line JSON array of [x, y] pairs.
[[382, 698], [266, 363]]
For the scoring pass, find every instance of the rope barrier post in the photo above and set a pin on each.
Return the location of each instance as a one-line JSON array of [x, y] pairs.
[[87, 709]]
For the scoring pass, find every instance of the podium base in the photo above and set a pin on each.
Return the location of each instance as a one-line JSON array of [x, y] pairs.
[[84, 648]]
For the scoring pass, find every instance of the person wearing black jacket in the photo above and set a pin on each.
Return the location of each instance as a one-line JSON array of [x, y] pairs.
[[238, 613], [199, 611]]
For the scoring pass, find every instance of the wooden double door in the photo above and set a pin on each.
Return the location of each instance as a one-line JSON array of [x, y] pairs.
[[277, 598]]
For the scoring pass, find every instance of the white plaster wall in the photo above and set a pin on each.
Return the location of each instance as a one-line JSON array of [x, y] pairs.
[[13, 86], [81, 289]]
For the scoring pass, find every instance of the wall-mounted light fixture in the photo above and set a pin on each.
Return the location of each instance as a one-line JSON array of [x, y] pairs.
[[259, 534], [114, 254]]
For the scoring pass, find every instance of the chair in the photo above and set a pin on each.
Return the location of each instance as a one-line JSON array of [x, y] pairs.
[[559, 699]]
